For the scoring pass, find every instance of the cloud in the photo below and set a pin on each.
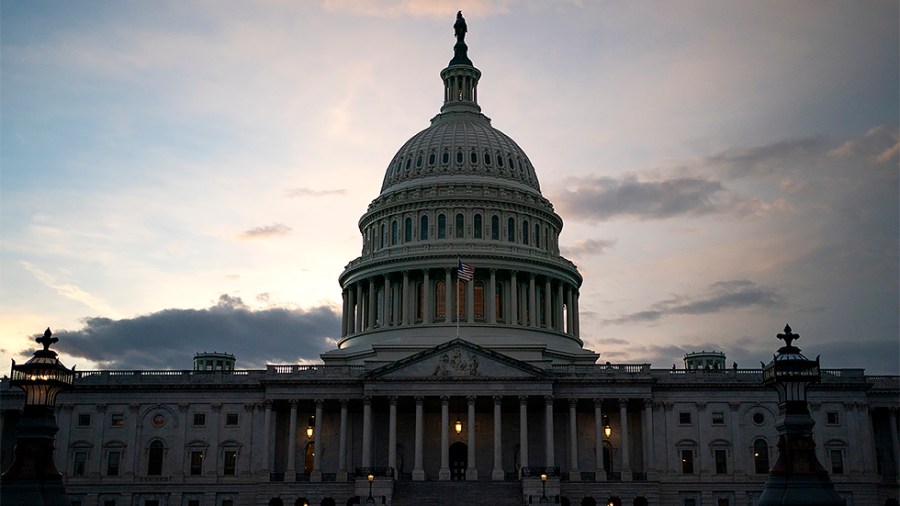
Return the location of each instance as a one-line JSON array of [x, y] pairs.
[[766, 159], [275, 230], [69, 290], [168, 339], [721, 296], [879, 144], [587, 247], [309, 192], [605, 198]]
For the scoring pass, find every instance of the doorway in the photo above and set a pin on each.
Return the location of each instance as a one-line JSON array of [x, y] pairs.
[[459, 461]]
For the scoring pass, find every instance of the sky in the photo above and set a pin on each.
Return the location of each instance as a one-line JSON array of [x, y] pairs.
[[187, 176]]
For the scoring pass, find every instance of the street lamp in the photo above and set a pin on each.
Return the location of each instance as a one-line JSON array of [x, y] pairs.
[[458, 425], [32, 478], [607, 429], [544, 499], [370, 499], [310, 427]]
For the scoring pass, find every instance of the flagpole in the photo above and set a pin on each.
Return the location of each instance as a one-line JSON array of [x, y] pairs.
[[458, 260]]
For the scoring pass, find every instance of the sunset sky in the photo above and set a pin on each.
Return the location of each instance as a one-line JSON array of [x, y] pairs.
[[184, 176]]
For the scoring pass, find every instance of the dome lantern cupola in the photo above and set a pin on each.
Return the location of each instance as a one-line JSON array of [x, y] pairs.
[[460, 77]]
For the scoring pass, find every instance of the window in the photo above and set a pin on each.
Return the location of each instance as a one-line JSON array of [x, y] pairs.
[[117, 420], [487, 158], [537, 236], [477, 226], [227, 502], [383, 237], [499, 161], [525, 232], [721, 458], [395, 233], [155, 458], [511, 230], [113, 459], [460, 225], [196, 463], [408, 163], [199, 419], [837, 461], [419, 160], [718, 418], [109, 502], [440, 300], [684, 418], [151, 502], [690, 501], [445, 158], [230, 462], [231, 419], [79, 463], [495, 227], [423, 228], [479, 300], [473, 157], [761, 456], [687, 461], [498, 301], [407, 230], [460, 313], [431, 159], [459, 157], [442, 226], [84, 419], [723, 501], [832, 418], [759, 418], [193, 502]]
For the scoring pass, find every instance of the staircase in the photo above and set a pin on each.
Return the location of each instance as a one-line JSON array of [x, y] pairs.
[[447, 493]]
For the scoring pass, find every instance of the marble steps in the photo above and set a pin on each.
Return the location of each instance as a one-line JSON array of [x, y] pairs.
[[441, 493]]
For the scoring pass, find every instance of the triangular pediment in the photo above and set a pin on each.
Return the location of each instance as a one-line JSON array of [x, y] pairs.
[[458, 360]]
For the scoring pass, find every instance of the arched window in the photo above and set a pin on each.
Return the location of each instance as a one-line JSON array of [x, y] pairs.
[[511, 230], [156, 452], [537, 235], [479, 301], [440, 300], [460, 309], [445, 157], [383, 237], [473, 157], [460, 226], [761, 456], [431, 159], [498, 301], [495, 227], [419, 160], [407, 230], [395, 233], [477, 226], [500, 161], [442, 226], [459, 156], [525, 232], [487, 158], [423, 228]]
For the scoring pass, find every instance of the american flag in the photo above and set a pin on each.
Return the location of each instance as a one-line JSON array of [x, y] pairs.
[[465, 272]]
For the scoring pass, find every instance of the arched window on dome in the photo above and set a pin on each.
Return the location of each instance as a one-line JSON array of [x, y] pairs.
[[395, 233], [382, 237], [440, 300], [479, 301], [511, 230], [761, 456], [442, 226], [495, 227], [423, 228], [408, 163], [445, 157], [511, 165], [525, 232], [407, 230], [547, 238], [476, 225], [487, 158], [460, 226], [431, 159], [419, 160], [459, 156], [473, 157], [499, 161], [498, 301], [537, 235]]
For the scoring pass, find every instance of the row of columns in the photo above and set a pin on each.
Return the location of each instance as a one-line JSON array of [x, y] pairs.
[[497, 472], [520, 301]]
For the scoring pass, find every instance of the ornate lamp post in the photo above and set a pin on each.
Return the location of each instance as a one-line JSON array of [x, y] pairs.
[[370, 499], [797, 477], [544, 499], [32, 478]]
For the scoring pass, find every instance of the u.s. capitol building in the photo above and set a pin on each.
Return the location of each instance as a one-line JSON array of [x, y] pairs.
[[457, 391]]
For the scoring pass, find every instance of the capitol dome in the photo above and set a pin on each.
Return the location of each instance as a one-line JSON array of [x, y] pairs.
[[460, 192]]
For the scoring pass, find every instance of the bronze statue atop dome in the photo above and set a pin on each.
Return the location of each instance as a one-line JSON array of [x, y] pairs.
[[460, 28]]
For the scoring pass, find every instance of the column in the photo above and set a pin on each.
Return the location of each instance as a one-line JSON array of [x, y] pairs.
[[647, 438], [513, 299], [444, 474], [392, 436], [350, 315], [342, 446], [575, 319], [532, 302], [344, 314], [523, 431], [895, 443], [372, 307], [267, 437], [387, 303], [560, 326], [470, 301], [359, 322], [404, 298], [492, 298], [367, 432], [426, 296], [574, 474], [497, 474], [570, 312], [548, 429], [600, 468], [868, 439], [316, 474], [472, 468], [418, 469], [623, 420], [292, 444], [548, 306], [449, 312]]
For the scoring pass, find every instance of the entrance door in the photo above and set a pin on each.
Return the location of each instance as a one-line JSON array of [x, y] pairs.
[[459, 460]]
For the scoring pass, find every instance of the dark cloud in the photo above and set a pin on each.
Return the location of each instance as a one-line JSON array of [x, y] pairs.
[[725, 295], [309, 192], [168, 339], [274, 230], [880, 145], [604, 198], [769, 158], [587, 247]]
